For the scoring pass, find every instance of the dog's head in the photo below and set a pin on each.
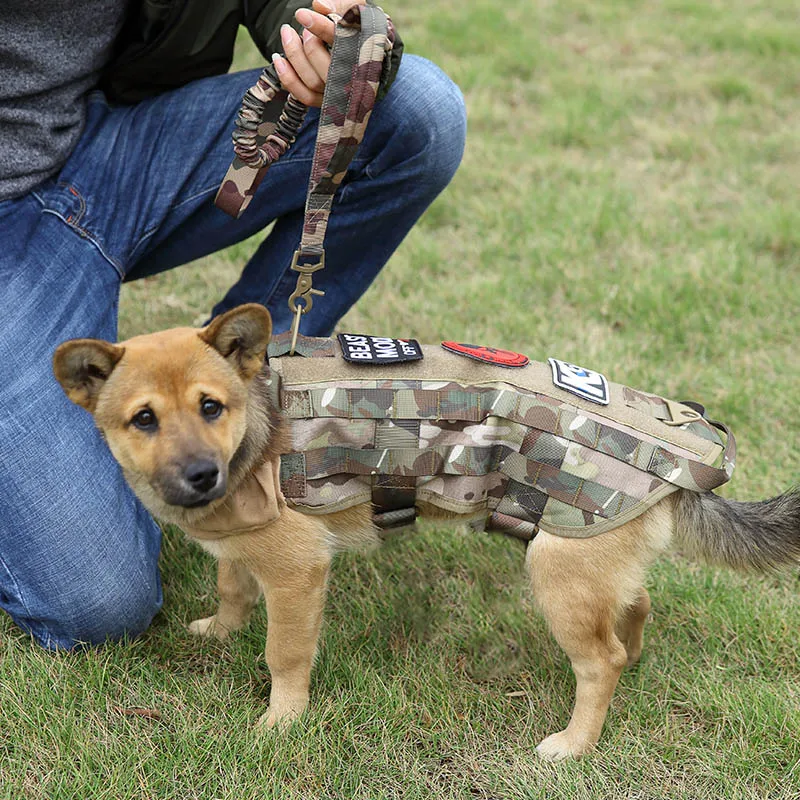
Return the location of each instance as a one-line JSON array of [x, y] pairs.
[[171, 405]]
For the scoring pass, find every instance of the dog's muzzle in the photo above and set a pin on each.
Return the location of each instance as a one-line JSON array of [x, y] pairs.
[[194, 484]]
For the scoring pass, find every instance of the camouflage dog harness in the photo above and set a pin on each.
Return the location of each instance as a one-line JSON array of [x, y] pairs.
[[513, 445], [542, 445]]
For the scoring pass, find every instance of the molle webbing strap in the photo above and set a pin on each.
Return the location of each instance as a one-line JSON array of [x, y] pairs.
[[394, 497], [512, 526], [523, 471], [519, 510], [475, 404]]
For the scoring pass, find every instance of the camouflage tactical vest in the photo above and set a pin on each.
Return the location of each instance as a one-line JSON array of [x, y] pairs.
[[506, 446]]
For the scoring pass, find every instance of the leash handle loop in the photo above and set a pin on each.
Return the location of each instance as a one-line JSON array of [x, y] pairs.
[[270, 118], [360, 45]]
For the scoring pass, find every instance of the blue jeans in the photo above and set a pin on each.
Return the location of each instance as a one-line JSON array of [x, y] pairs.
[[78, 552]]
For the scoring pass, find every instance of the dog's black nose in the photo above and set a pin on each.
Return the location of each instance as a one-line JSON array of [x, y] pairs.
[[202, 475]]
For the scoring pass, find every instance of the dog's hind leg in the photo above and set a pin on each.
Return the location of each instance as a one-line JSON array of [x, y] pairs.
[[589, 590], [238, 594], [630, 625]]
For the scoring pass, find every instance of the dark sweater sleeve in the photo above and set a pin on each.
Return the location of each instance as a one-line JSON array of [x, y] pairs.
[[169, 43], [264, 19]]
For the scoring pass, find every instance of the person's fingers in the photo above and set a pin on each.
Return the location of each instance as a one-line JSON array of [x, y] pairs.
[[317, 54], [339, 6], [317, 23], [304, 69], [295, 54], [292, 83]]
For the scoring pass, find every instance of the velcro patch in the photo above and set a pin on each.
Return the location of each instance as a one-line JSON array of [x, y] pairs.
[[489, 355], [360, 349], [585, 383]]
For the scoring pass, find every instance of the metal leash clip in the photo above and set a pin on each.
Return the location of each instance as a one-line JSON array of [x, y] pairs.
[[303, 290]]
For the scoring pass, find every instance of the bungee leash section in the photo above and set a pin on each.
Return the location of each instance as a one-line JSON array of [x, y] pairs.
[[268, 122]]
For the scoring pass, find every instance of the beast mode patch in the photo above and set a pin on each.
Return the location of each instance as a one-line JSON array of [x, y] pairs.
[[585, 383], [360, 349]]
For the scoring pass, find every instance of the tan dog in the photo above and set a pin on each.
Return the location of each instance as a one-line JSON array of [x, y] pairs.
[[187, 414]]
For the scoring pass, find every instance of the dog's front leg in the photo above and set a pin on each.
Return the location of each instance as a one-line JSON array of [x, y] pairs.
[[238, 594], [294, 619]]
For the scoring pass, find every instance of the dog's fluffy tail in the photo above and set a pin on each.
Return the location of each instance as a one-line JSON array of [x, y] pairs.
[[758, 536]]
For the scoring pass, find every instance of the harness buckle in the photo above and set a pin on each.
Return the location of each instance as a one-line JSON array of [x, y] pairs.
[[681, 414]]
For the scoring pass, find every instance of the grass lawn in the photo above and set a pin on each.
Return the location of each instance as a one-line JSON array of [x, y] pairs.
[[629, 201]]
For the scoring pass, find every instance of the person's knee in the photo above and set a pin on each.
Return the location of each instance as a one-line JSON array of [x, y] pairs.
[[96, 613], [81, 572], [430, 119]]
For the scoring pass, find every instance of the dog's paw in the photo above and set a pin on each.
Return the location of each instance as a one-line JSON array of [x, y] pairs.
[[273, 719], [209, 628], [559, 746]]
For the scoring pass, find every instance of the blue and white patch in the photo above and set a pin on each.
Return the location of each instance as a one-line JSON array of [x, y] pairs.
[[585, 383]]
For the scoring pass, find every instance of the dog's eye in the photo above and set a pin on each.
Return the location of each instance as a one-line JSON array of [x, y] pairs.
[[210, 409], [144, 420]]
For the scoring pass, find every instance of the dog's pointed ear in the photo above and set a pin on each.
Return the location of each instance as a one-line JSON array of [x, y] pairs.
[[82, 367], [241, 335]]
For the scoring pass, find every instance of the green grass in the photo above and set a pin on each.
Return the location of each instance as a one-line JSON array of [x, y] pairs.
[[628, 200]]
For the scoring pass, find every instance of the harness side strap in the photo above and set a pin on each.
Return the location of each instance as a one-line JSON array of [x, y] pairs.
[[394, 496]]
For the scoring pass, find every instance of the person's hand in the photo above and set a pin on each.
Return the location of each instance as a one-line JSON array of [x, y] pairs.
[[304, 69]]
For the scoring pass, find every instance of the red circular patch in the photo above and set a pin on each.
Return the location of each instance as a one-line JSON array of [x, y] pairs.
[[490, 355]]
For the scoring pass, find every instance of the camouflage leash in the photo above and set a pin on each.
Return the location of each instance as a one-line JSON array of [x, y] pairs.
[[362, 41], [360, 46]]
